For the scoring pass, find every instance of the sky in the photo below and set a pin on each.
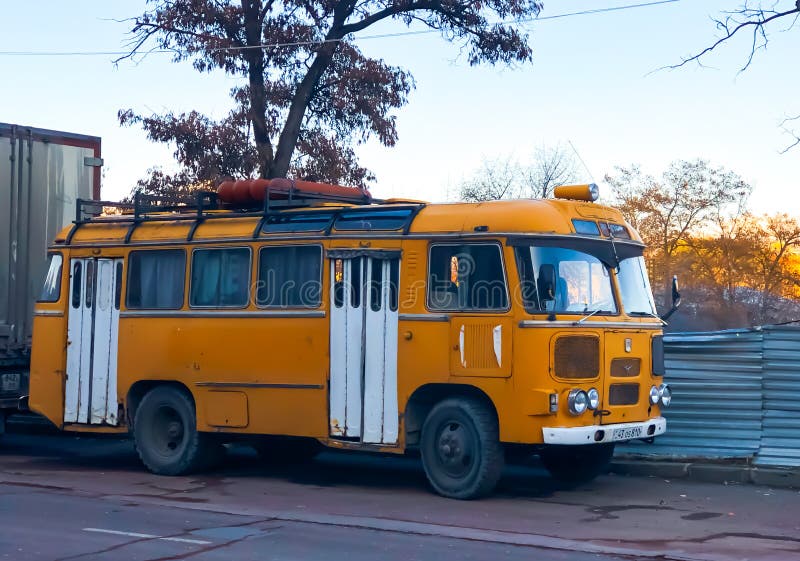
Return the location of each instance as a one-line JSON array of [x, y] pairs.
[[594, 82]]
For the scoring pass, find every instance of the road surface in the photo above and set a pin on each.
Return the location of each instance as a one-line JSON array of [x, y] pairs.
[[68, 497]]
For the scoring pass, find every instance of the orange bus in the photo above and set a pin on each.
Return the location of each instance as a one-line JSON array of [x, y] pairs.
[[466, 331]]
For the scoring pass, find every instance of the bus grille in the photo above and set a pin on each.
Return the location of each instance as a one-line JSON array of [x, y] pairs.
[[577, 357], [623, 394], [626, 367]]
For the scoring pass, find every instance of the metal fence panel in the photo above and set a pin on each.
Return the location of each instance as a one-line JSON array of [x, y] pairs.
[[716, 381], [780, 440]]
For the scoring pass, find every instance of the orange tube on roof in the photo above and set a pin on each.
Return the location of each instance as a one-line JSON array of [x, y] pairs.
[[250, 191]]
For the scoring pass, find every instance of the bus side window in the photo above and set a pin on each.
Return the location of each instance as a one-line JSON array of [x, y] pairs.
[[466, 277], [290, 276], [527, 279], [376, 284], [156, 279], [76, 284], [220, 278], [118, 285], [356, 282], [338, 283], [89, 283], [394, 283], [51, 289]]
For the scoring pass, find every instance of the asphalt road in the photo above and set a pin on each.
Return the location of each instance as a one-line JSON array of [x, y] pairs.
[[68, 497]]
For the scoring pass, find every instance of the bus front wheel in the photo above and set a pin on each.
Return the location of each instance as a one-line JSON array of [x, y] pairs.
[[166, 437], [576, 464], [461, 450]]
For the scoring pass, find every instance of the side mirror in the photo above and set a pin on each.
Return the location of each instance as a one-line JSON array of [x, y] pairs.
[[676, 299], [676, 296], [547, 283]]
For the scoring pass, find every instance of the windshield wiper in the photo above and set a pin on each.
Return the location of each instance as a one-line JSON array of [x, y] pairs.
[[647, 315], [587, 316]]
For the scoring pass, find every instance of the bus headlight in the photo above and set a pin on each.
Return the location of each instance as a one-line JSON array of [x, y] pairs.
[[594, 398], [577, 401], [666, 395], [655, 395]]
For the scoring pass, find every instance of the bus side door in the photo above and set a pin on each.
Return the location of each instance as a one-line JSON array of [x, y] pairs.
[[90, 393], [364, 319]]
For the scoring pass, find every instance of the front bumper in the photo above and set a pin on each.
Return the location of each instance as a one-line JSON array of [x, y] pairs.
[[599, 434]]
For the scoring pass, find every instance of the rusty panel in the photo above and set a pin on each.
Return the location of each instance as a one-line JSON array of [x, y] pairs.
[[576, 357], [626, 367], [623, 394]]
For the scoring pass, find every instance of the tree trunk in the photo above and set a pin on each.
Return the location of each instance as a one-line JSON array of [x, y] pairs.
[[297, 110], [258, 92]]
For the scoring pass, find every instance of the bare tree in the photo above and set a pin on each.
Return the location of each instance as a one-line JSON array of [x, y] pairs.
[[551, 167], [753, 17], [791, 132], [668, 209], [496, 179], [760, 18], [780, 238]]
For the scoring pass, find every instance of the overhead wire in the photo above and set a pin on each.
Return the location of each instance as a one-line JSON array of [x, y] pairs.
[[592, 11]]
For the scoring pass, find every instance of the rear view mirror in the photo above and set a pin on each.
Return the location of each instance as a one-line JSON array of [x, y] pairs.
[[676, 296], [676, 299], [547, 283]]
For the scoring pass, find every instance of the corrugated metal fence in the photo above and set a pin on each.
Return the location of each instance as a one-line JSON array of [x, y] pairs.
[[780, 434], [736, 394]]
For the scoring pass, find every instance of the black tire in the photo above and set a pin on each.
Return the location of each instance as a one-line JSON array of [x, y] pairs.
[[287, 451], [461, 450], [166, 437], [576, 464]]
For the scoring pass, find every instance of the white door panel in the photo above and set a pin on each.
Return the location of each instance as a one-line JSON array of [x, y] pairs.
[[86, 307], [75, 325], [354, 304], [338, 352], [374, 362], [92, 328], [364, 319]]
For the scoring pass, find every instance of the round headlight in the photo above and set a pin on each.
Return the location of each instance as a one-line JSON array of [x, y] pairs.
[[577, 401], [655, 395], [594, 398], [666, 395]]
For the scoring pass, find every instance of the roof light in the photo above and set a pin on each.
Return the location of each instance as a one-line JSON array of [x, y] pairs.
[[588, 192]]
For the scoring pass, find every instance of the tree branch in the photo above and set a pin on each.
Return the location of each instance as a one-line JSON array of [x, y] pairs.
[[790, 132], [388, 12], [758, 26]]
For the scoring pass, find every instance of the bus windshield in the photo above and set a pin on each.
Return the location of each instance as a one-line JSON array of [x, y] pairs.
[[634, 286], [563, 280]]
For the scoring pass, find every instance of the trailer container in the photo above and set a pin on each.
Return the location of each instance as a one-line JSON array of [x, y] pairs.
[[42, 175]]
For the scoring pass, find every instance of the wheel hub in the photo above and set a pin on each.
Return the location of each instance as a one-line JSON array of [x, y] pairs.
[[167, 430], [174, 430], [454, 450]]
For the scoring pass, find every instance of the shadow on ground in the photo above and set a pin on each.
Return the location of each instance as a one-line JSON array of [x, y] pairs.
[[42, 447]]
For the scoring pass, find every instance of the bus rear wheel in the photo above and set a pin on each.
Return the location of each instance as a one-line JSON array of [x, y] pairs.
[[166, 437], [461, 450], [576, 464]]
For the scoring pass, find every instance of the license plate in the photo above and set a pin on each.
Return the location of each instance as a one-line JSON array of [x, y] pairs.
[[9, 382], [627, 433]]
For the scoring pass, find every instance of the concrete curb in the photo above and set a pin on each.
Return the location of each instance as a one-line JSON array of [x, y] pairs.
[[708, 472]]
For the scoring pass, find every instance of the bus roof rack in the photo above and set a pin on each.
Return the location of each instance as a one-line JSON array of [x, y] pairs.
[[196, 206], [142, 207]]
